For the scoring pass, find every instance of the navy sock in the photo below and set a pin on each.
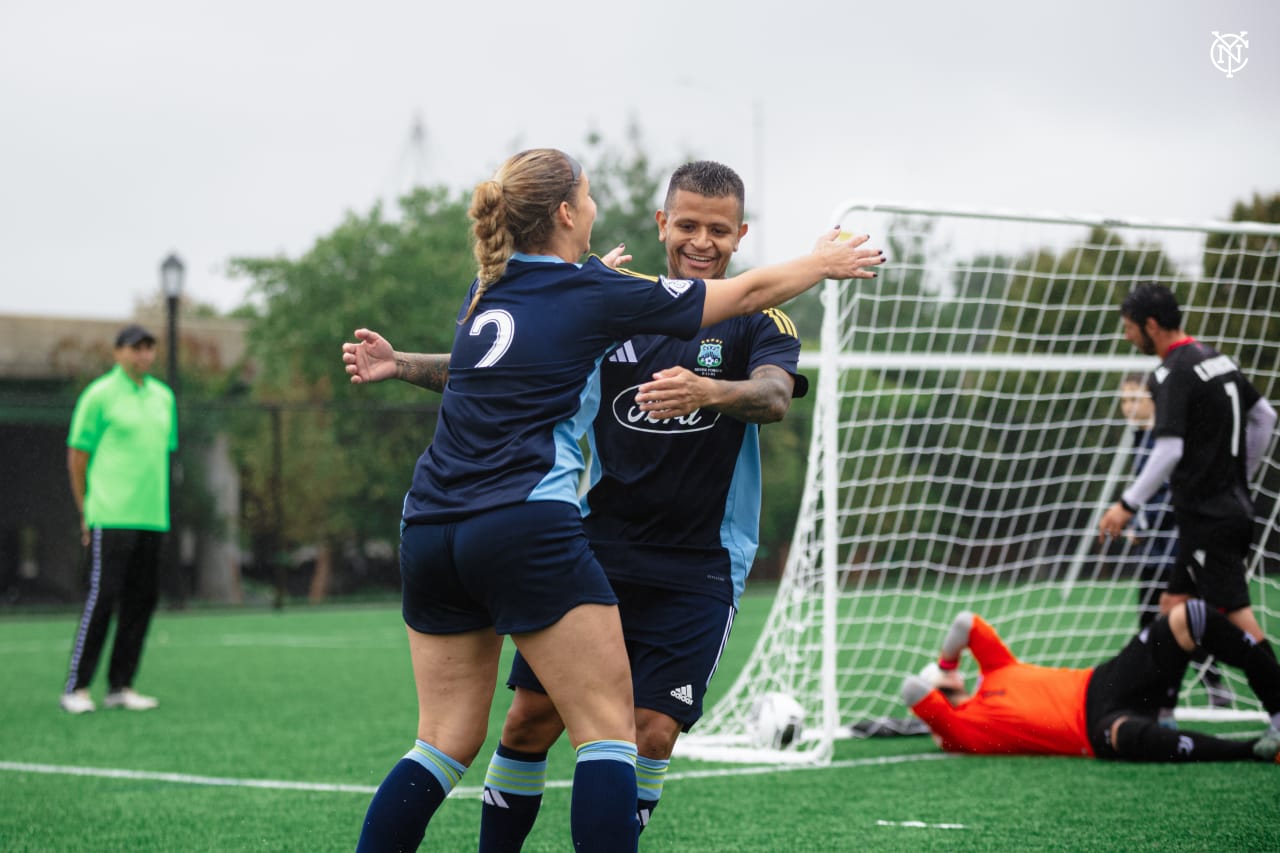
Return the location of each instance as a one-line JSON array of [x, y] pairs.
[[513, 789], [603, 813], [1235, 647], [405, 801], [1141, 739]]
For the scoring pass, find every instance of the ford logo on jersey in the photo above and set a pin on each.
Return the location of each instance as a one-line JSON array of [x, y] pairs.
[[627, 413]]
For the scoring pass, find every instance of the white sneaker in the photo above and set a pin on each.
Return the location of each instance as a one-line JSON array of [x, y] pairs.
[[1268, 746], [77, 702], [129, 700]]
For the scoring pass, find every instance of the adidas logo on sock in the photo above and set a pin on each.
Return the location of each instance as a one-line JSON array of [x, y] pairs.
[[494, 798], [684, 694]]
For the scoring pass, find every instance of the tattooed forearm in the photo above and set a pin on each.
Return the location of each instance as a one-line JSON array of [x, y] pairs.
[[423, 369], [762, 399]]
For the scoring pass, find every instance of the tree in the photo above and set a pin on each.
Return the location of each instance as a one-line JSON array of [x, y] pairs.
[[341, 464], [1250, 261], [627, 187]]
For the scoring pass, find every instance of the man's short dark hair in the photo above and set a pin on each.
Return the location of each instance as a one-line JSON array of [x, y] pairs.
[[1152, 300], [707, 178]]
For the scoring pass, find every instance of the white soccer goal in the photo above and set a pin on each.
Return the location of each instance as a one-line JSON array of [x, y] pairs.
[[966, 438]]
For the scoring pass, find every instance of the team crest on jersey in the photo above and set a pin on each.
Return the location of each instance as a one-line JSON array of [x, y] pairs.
[[710, 353], [676, 286]]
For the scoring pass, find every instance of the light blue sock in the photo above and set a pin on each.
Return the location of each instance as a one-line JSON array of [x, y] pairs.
[[513, 790], [650, 774]]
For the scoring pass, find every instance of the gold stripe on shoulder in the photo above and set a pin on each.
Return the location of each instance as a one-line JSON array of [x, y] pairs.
[[782, 321], [625, 271], [635, 274]]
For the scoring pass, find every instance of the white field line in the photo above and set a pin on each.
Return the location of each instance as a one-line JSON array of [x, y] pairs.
[[919, 824], [472, 791]]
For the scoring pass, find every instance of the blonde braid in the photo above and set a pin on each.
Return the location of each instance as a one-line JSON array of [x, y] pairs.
[[515, 209], [494, 244]]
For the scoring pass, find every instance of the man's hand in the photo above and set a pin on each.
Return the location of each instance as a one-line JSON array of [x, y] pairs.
[[1113, 522], [371, 359], [674, 392]]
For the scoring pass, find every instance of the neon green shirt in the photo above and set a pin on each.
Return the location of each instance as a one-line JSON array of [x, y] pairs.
[[128, 431]]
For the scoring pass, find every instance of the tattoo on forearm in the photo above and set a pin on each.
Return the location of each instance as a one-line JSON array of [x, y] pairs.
[[763, 398], [425, 371]]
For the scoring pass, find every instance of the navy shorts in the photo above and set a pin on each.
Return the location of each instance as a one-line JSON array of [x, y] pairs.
[[674, 641], [517, 568], [1211, 561]]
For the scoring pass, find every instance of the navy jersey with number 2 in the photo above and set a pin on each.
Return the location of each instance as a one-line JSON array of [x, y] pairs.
[[522, 383]]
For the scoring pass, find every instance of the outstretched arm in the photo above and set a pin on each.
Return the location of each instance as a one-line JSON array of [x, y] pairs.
[[765, 287], [764, 398], [373, 359]]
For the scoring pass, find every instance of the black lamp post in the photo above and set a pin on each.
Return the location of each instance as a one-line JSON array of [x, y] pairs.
[[172, 272]]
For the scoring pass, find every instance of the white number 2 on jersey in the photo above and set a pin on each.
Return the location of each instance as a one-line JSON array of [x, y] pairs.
[[502, 341]]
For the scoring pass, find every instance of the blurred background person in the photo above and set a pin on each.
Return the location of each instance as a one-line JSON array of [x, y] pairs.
[[123, 429]]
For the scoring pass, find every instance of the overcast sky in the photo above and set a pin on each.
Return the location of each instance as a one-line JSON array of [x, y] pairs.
[[220, 129]]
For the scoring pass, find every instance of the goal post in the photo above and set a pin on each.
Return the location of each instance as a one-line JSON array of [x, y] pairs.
[[966, 437]]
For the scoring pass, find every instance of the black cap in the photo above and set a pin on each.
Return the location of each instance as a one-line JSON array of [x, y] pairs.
[[132, 335]]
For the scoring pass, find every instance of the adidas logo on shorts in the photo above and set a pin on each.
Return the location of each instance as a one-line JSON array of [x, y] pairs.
[[684, 694]]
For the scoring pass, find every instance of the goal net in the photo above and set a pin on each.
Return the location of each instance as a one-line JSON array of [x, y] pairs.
[[967, 436]]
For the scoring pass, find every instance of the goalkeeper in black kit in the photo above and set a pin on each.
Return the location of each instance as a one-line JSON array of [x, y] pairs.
[[1212, 430]]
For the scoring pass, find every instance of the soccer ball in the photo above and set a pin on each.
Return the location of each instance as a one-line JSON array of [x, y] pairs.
[[777, 721]]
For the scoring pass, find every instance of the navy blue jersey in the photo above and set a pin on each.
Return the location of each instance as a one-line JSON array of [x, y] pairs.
[[522, 383], [676, 503], [1203, 398]]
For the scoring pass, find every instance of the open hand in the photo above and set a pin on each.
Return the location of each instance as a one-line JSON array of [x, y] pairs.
[[844, 257], [370, 359]]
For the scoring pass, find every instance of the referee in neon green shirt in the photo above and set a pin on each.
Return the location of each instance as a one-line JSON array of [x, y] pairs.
[[123, 429]]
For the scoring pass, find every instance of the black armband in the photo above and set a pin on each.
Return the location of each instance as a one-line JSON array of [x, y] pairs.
[[1133, 510]]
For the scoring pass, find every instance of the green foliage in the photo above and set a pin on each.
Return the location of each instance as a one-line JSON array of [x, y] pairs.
[[347, 451], [1249, 261], [628, 188], [408, 275]]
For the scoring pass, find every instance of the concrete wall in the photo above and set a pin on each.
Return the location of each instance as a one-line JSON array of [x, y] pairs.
[[66, 347]]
